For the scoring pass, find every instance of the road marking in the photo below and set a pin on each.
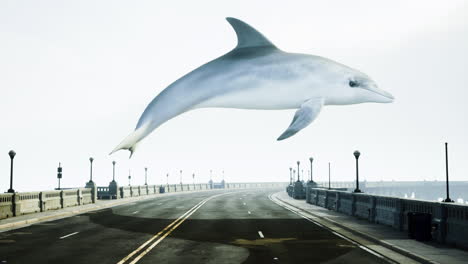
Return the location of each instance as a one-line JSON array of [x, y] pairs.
[[297, 211], [159, 203], [74, 233], [165, 232], [244, 204], [248, 212], [136, 212], [260, 234]]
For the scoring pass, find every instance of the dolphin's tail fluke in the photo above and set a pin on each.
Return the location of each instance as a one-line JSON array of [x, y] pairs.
[[131, 141]]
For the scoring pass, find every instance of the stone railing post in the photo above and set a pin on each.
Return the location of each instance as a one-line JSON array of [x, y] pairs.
[[442, 225], [338, 201], [41, 201], [80, 197], [398, 215], [94, 194], [353, 204], [372, 208], [62, 200]]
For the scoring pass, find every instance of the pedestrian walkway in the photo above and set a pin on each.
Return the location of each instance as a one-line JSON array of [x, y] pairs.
[[424, 252]]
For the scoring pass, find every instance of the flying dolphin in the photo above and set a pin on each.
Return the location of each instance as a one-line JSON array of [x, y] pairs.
[[258, 75]]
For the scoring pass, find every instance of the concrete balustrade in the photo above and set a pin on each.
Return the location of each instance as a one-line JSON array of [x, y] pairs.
[[50, 200], [26, 203], [86, 196], [13, 204], [6, 205], [450, 221], [70, 198]]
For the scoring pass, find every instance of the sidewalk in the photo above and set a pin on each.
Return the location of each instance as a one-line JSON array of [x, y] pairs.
[[29, 219], [425, 252]]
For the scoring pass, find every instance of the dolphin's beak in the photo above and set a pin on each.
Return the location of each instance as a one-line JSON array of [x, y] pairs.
[[387, 97]]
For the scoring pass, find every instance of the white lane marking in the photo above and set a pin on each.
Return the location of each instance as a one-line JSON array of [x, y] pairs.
[[260, 234], [65, 236], [298, 212], [244, 204], [248, 212], [240, 198], [159, 203], [136, 212]]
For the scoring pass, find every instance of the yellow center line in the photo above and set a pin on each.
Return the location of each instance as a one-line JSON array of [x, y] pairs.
[[156, 236], [169, 230]]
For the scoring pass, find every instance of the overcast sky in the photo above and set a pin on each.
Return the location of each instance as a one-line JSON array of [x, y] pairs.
[[75, 77]]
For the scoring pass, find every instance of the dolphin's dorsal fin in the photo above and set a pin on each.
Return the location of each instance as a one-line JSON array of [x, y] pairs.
[[248, 36]]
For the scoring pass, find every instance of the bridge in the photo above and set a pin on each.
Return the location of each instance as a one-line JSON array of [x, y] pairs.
[[249, 222]]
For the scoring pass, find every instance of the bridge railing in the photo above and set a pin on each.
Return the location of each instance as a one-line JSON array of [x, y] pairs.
[[450, 221], [14, 204]]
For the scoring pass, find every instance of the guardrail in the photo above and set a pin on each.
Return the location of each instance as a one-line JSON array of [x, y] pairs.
[[15, 204], [449, 221]]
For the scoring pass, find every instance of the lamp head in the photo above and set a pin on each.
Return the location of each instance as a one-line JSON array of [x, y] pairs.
[[298, 162], [113, 162], [357, 154], [311, 159], [12, 154], [91, 159]]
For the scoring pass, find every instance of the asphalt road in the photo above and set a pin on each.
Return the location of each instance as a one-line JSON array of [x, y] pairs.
[[202, 227]]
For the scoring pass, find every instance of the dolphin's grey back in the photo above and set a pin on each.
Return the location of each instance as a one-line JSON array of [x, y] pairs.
[[195, 86]]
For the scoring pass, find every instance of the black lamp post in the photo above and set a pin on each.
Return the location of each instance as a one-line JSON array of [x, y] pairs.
[[447, 200], [167, 179], [12, 155], [59, 175], [356, 155], [146, 176], [91, 169], [290, 176], [113, 171], [311, 160], [181, 177], [211, 175], [329, 176], [298, 178], [193, 177]]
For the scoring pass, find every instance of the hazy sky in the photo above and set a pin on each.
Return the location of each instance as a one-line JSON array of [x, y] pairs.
[[76, 75]]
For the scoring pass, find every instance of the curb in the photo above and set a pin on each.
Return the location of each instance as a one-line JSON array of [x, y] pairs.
[[369, 237]]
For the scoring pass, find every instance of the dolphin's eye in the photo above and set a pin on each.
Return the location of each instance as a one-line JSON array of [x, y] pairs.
[[353, 84]]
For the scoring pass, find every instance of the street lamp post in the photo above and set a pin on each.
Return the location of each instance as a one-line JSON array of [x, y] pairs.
[[298, 178], [193, 177], [329, 176], [294, 174], [356, 155], [59, 175], [12, 155], [146, 176], [91, 159], [180, 177], [167, 179], [290, 176], [447, 200], [113, 171], [311, 160]]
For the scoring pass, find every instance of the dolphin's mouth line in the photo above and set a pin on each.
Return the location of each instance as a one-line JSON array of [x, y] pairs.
[[382, 93]]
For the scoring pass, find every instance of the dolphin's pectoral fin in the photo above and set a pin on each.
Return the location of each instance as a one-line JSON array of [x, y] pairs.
[[303, 117], [248, 36]]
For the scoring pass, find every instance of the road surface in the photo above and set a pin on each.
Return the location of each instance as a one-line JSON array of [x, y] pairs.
[[226, 226]]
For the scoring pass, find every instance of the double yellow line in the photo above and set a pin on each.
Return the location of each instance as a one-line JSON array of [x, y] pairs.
[[143, 249]]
